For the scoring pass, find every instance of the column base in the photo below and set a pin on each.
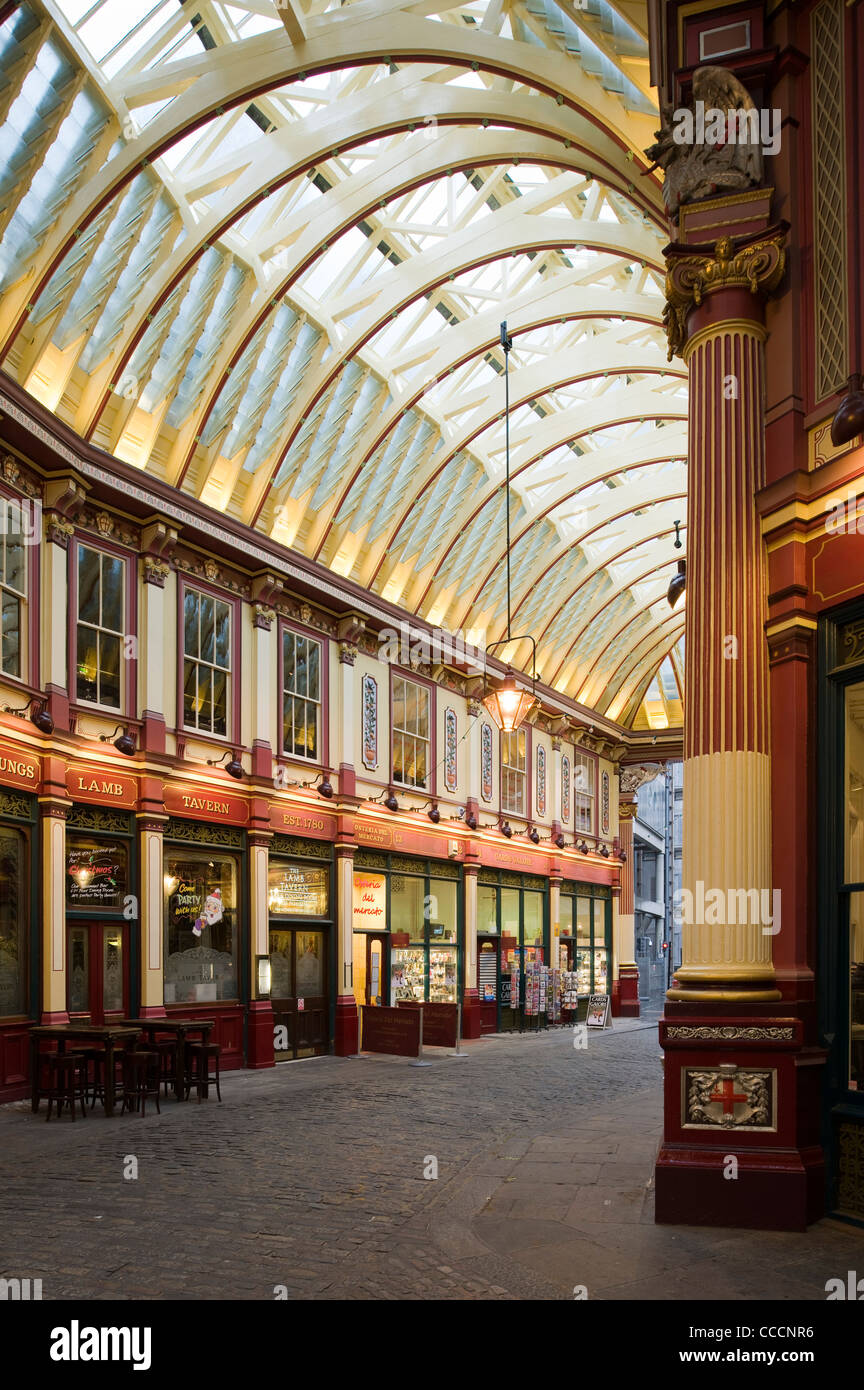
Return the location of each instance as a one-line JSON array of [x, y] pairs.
[[773, 1191], [51, 1019], [259, 1035], [471, 1014], [347, 1032], [152, 1011], [742, 1119], [628, 991]]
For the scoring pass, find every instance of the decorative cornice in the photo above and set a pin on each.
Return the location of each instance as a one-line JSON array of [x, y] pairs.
[[691, 275]]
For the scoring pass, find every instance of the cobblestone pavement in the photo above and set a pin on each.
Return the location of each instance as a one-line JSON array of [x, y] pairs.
[[311, 1177]]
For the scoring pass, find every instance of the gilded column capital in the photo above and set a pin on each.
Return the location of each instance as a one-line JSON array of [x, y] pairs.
[[691, 275]]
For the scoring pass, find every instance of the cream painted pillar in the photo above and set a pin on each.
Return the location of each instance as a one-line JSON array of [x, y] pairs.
[[345, 726], [260, 1038], [54, 617], [264, 659], [347, 1018], [53, 900], [472, 780], [152, 914], [554, 920], [259, 913]]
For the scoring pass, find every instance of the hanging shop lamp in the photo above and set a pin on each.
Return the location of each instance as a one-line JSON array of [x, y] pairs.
[[678, 582], [508, 705]]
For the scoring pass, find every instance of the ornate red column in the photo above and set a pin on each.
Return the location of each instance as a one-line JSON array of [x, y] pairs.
[[739, 1147], [627, 1005]]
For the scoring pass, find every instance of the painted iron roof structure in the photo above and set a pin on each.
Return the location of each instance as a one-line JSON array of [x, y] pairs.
[[263, 253]]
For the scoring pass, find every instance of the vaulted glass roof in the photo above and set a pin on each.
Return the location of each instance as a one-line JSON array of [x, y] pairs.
[[263, 253]]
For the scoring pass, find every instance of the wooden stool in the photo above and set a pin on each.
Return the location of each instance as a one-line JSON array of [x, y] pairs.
[[67, 1078], [166, 1048], [198, 1073], [140, 1080]]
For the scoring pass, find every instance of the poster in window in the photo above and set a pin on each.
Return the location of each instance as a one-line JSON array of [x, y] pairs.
[[96, 874], [298, 890]]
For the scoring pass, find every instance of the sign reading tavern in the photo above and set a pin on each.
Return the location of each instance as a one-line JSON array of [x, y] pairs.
[[206, 805]]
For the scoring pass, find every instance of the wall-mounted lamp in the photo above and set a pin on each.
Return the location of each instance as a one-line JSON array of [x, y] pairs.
[[234, 768], [560, 841], [622, 855], [849, 419], [323, 788], [433, 813], [604, 850], [125, 744], [534, 835], [39, 716], [506, 829], [264, 976], [582, 847]]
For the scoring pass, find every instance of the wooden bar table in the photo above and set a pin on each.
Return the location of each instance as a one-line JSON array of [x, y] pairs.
[[111, 1035], [181, 1028]]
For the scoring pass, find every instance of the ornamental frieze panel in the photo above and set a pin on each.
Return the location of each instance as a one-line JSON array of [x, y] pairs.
[[729, 1097], [730, 1033]]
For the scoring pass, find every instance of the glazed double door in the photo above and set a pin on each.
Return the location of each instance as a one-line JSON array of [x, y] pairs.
[[97, 971], [299, 991]]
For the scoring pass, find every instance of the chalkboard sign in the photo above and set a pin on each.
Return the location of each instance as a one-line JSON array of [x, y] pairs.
[[96, 873]]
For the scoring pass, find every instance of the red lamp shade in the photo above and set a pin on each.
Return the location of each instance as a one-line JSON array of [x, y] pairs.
[[508, 705]]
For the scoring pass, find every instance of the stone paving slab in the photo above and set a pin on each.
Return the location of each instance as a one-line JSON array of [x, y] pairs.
[[310, 1179]]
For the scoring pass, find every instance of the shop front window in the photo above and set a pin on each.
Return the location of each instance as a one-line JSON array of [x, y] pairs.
[[201, 946], [13, 922], [97, 874], [487, 910]]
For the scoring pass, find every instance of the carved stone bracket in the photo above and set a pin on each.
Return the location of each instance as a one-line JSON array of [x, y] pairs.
[[58, 530], [263, 616], [155, 572], [347, 653], [691, 275], [632, 778]]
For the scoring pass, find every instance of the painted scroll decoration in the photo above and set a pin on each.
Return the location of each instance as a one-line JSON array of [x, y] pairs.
[[486, 762], [450, 749], [370, 722]]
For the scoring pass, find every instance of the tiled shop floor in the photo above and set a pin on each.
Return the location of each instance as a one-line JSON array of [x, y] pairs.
[[311, 1179]]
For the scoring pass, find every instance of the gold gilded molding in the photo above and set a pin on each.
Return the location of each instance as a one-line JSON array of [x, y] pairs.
[[691, 276]]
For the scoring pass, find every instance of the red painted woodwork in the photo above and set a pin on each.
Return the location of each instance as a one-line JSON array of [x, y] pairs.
[[14, 1061], [472, 1022], [347, 1026], [259, 1034], [228, 1032]]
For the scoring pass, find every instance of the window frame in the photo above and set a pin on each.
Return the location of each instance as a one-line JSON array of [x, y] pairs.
[[525, 812], [231, 738], [29, 627], [128, 708], [312, 634], [429, 788], [593, 760]]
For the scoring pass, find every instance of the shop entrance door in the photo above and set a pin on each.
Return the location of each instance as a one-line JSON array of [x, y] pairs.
[[298, 992], [371, 974], [97, 971]]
